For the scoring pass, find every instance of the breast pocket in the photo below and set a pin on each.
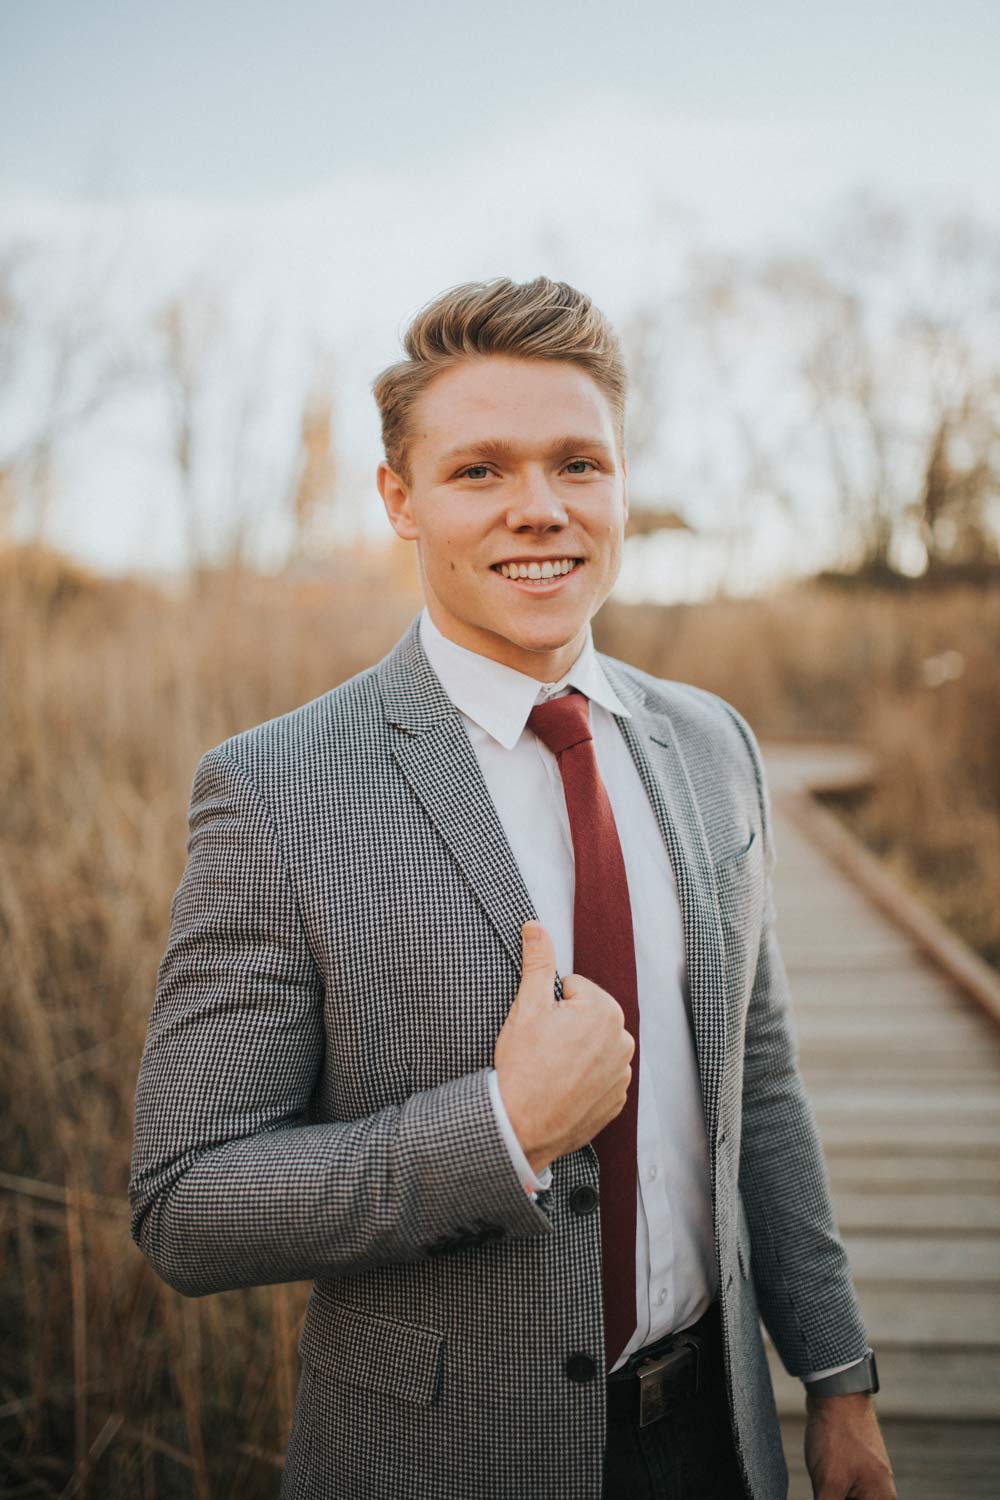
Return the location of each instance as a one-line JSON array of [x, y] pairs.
[[740, 889]]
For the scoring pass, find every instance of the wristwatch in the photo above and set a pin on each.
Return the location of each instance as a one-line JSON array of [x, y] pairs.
[[859, 1378]]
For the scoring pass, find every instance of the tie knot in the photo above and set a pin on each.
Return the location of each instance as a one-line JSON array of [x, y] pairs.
[[562, 722]]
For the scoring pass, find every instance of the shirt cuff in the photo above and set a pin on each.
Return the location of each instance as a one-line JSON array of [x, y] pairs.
[[532, 1184], [834, 1370]]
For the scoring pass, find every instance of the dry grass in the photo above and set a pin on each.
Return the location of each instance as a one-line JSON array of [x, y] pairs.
[[110, 1384]]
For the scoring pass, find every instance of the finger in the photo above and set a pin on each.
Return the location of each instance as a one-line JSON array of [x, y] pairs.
[[572, 984], [538, 965], [577, 985]]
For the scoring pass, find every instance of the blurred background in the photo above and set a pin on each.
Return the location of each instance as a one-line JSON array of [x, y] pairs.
[[215, 222]]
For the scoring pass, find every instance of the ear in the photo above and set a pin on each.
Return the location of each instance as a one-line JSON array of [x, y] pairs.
[[396, 499], [625, 487]]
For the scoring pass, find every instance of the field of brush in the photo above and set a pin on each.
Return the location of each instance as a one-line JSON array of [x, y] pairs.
[[111, 1384]]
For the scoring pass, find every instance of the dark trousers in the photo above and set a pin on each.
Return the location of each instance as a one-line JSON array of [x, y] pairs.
[[688, 1454]]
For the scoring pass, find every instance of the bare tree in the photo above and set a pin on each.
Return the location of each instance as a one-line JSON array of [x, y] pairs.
[[312, 493], [61, 361], [188, 325], [881, 393], [247, 466]]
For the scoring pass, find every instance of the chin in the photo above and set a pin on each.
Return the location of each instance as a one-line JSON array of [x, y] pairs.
[[542, 634]]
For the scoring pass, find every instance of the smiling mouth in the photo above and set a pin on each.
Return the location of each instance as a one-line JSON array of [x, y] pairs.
[[551, 570]]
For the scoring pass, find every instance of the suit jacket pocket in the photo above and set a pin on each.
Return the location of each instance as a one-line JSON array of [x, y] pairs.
[[731, 864], [365, 1349], [740, 888], [738, 880]]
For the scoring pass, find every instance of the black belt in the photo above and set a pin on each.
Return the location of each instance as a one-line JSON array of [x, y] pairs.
[[657, 1378]]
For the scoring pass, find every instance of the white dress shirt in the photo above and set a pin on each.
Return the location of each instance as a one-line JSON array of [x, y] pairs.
[[674, 1246], [675, 1269]]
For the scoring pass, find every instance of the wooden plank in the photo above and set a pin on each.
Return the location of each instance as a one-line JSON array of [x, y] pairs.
[[947, 1316], [861, 998], [874, 1029], [905, 985], [930, 1212], [834, 958], [817, 902], [932, 1133], [868, 1032], [924, 1258], [961, 1172], [903, 1100], [952, 1067], [869, 941]]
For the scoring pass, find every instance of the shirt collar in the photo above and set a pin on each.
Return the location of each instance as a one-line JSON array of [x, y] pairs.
[[498, 698]]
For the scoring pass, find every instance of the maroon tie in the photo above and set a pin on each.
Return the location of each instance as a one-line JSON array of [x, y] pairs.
[[603, 951]]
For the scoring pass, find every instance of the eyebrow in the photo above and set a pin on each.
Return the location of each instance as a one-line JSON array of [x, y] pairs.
[[503, 450]]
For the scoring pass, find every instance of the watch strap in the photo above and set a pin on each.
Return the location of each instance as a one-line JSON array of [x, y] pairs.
[[862, 1377]]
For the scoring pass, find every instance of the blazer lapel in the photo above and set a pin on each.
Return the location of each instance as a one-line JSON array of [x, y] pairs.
[[434, 753], [652, 740]]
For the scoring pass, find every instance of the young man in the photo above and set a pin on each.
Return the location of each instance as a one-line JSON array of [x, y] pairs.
[[540, 1213]]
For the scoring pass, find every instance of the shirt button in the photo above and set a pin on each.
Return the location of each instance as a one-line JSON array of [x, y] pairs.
[[661, 1295], [651, 1172], [581, 1368], [583, 1198]]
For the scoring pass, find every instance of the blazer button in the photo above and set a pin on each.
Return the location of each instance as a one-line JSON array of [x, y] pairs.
[[583, 1198], [581, 1368]]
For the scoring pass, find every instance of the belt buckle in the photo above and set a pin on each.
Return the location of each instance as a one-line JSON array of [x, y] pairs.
[[655, 1376]]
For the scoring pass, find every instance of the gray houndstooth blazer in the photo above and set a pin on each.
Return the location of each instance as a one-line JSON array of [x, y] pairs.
[[312, 1102]]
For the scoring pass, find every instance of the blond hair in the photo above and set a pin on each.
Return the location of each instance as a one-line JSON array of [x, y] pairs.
[[538, 319]]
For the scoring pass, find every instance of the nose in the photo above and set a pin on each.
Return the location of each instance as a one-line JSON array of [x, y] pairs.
[[535, 505]]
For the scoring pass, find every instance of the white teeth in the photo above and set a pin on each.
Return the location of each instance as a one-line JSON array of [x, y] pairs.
[[535, 570]]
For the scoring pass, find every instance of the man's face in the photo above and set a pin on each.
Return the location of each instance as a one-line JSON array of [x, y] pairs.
[[513, 462]]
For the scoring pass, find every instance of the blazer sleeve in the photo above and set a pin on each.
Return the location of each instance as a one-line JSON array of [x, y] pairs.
[[801, 1274], [230, 1185]]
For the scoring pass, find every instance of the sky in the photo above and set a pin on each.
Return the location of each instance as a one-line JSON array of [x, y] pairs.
[[211, 98], [333, 167]]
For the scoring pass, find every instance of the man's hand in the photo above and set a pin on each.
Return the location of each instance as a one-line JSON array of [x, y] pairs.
[[845, 1454], [563, 1068]]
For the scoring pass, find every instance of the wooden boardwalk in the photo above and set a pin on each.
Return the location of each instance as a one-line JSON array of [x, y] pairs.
[[904, 1073]]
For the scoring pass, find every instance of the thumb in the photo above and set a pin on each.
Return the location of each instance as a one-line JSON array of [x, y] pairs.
[[538, 965]]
